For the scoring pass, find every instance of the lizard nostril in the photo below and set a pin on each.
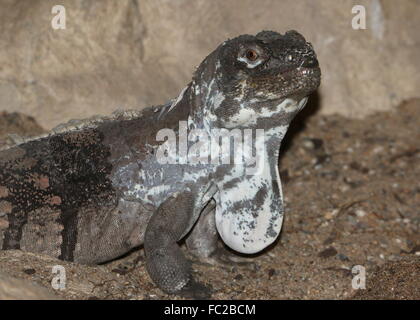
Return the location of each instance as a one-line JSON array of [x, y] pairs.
[[310, 63]]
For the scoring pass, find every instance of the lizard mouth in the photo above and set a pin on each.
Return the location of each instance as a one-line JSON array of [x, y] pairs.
[[309, 71], [300, 82], [301, 71], [306, 79]]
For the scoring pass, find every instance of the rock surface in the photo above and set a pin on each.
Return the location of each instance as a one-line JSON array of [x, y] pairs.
[[129, 53], [17, 289], [15, 126]]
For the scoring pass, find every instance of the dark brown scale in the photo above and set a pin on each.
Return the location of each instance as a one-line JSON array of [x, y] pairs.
[[74, 171]]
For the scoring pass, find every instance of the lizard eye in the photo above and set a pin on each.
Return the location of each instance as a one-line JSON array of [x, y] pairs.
[[251, 55], [289, 58]]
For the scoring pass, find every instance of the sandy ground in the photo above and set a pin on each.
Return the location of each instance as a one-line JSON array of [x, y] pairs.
[[352, 198]]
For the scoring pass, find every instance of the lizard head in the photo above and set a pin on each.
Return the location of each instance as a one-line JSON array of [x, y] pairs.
[[253, 77]]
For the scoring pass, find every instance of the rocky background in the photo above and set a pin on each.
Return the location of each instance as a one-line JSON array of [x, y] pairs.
[[350, 173], [133, 53]]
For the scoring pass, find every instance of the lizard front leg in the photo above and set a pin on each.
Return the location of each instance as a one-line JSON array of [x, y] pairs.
[[165, 262], [204, 243]]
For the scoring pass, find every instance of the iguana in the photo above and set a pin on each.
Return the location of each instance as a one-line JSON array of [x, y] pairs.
[[92, 190]]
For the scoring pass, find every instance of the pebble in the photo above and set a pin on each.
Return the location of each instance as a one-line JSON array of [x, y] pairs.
[[378, 149], [327, 253], [343, 257], [271, 272], [331, 214], [308, 144], [29, 271], [238, 277], [360, 213]]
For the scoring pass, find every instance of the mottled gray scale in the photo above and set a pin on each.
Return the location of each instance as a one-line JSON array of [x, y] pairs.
[[110, 232], [42, 232]]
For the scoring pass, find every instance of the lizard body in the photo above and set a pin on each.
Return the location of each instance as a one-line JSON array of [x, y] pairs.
[[91, 191]]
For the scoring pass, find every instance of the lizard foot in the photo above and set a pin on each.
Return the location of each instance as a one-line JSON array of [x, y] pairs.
[[223, 258], [196, 290]]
